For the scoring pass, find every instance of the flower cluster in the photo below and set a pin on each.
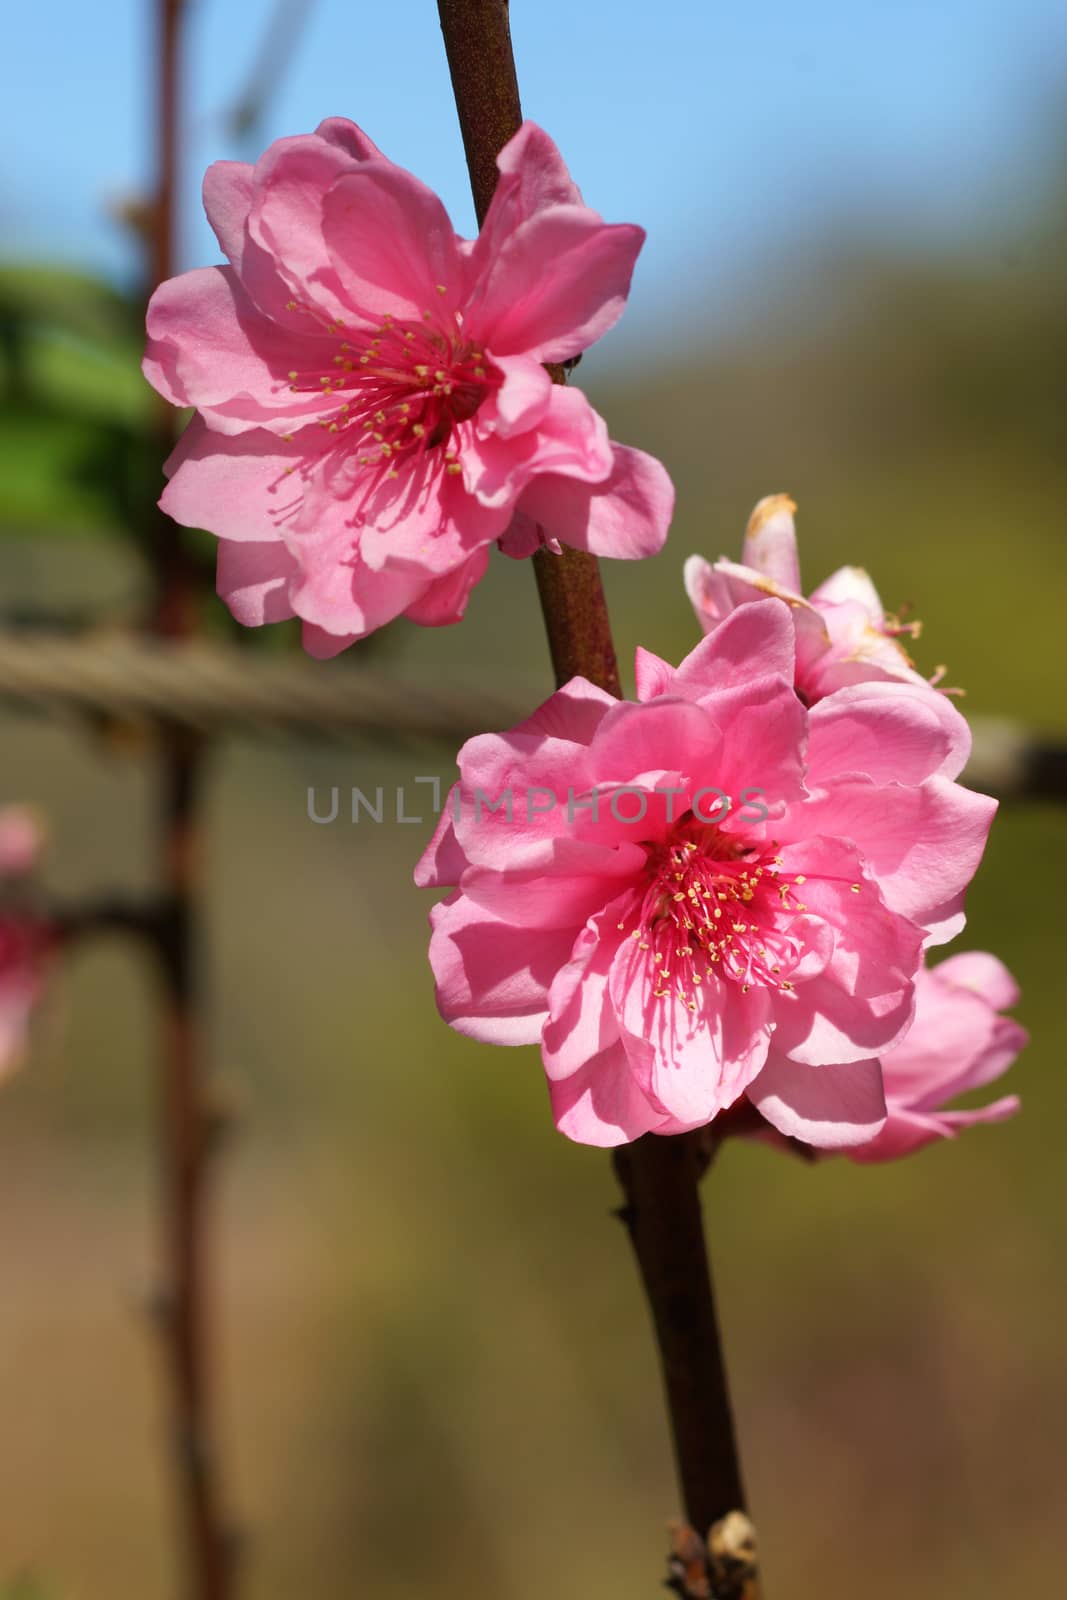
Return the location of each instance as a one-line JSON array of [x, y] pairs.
[[373, 412], [671, 971], [373, 409]]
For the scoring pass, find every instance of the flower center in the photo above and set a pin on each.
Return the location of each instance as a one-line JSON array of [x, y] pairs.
[[393, 396], [714, 907]]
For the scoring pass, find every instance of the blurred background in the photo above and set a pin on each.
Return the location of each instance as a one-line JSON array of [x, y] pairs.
[[436, 1374]]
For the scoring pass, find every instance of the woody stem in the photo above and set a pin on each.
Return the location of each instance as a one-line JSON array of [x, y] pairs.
[[659, 1176]]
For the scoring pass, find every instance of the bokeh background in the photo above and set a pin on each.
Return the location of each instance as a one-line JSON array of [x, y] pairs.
[[437, 1377]]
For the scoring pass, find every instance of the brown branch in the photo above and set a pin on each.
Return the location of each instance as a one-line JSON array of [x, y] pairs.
[[659, 1175], [477, 36], [185, 1119]]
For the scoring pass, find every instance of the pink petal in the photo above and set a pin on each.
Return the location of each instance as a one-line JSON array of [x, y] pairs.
[[755, 641], [493, 978], [557, 284], [228, 194], [850, 585], [240, 486], [442, 863], [520, 402], [571, 438], [625, 517], [697, 576], [831, 1107], [1009, 1039], [522, 538], [392, 245], [764, 740], [825, 1024], [908, 1131], [581, 1022], [698, 1054], [427, 520], [996, 1111], [905, 1133], [445, 600], [533, 176], [889, 732], [21, 841], [573, 713], [347, 137], [863, 1000], [323, 646], [339, 593], [253, 580], [504, 816], [636, 743], [653, 675], [982, 972], [923, 845], [770, 546], [210, 347], [290, 181], [602, 1105], [563, 891]]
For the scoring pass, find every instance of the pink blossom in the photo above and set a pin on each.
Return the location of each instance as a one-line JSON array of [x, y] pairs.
[[958, 1041], [843, 633], [20, 841], [372, 405], [668, 964], [22, 946]]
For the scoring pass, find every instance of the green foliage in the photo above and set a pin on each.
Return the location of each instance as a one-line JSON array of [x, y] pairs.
[[26, 1587]]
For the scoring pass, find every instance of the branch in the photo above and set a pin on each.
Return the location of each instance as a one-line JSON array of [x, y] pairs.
[[659, 1175], [185, 1122]]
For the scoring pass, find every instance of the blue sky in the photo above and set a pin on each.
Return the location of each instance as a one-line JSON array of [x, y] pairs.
[[737, 134]]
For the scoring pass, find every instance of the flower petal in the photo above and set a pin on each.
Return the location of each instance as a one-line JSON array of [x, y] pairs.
[[533, 176], [581, 1019], [831, 1107], [625, 517], [290, 181], [254, 579], [770, 546], [557, 284], [602, 1105], [923, 845], [755, 641], [445, 600], [391, 244], [571, 438], [982, 972], [493, 978], [240, 486], [209, 346], [891, 732]]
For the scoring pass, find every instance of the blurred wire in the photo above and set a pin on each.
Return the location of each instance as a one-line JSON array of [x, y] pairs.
[[211, 687], [215, 688]]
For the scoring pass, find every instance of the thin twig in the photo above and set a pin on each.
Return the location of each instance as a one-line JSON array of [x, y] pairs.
[[185, 1122], [273, 56], [659, 1175]]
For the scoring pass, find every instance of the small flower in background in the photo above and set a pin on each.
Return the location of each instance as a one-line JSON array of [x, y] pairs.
[[958, 1042], [373, 409], [670, 962], [843, 633], [23, 952]]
